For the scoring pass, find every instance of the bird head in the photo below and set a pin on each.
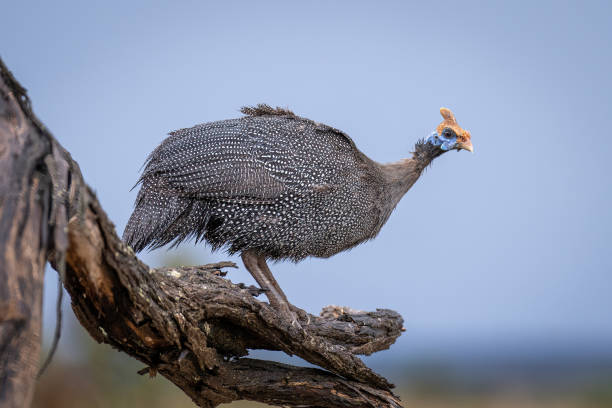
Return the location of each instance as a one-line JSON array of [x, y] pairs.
[[449, 135]]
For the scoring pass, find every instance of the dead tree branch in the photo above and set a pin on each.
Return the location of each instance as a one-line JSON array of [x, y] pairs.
[[189, 324]]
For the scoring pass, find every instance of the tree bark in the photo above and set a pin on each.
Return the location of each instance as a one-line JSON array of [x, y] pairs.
[[189, 324], [24, 212]]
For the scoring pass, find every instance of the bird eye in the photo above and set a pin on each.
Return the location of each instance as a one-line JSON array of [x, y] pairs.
[[447, 133]]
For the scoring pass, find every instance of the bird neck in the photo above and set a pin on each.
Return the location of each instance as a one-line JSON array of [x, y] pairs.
[[424, 153], [401, 175]]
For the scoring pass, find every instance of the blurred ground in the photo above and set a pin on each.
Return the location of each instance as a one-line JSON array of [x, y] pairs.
[[93, 375]]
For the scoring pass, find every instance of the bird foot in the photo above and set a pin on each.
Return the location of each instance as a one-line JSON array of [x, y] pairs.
[[301, 314], [285, 310]]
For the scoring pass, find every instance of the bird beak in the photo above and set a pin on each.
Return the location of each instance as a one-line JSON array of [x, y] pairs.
[[465, 146]]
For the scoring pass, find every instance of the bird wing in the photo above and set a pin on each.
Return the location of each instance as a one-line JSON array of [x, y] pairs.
[[214, 160], [251, 159]]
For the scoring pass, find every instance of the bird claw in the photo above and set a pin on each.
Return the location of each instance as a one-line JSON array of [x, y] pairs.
[[295, 323], [289, 315]]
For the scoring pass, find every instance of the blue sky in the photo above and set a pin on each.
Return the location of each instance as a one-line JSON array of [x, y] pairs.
[[505, 248]]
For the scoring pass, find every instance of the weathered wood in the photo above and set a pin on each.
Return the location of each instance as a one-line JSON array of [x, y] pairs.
[[25, 194], [189, 324]]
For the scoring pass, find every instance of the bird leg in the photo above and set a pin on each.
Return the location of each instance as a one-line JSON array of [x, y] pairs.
[[263, 265], [257, 266]]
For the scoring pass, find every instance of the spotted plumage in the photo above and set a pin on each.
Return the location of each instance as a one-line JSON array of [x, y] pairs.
[[270, 181]]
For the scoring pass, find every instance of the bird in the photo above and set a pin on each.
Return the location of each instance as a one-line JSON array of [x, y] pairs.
[[272, 185]]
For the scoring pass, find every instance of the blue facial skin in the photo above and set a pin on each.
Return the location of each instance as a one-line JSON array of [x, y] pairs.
[[444, 142]]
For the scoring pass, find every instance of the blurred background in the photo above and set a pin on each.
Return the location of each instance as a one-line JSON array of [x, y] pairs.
[[499, 261]]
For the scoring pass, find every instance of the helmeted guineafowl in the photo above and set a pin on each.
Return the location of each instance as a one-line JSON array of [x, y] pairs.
[[274, 185]]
